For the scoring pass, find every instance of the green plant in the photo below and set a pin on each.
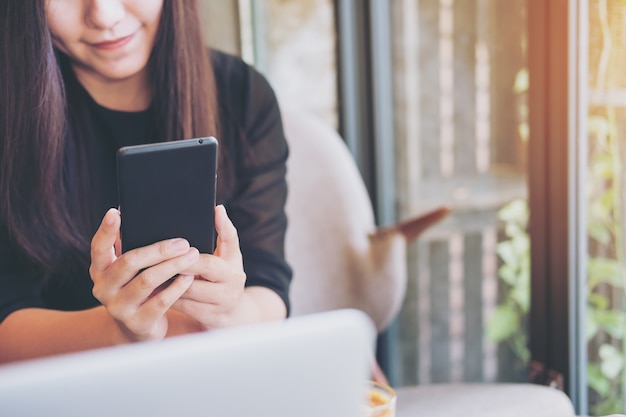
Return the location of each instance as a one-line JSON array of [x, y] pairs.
[[605, 324], [507, 324], [606, 320]]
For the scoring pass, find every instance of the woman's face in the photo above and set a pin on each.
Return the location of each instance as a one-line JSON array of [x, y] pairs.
[[111, 39]]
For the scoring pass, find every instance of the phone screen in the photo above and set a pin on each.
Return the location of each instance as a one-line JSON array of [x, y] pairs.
[[167, 190]]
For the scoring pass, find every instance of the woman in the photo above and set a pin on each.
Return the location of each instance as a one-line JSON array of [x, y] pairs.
[[80, 79]]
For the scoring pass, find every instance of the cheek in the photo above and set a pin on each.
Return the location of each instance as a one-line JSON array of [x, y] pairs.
[[63, 22], [150, 13]]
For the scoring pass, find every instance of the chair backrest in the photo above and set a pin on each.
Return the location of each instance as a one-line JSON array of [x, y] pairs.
[[339, 259]]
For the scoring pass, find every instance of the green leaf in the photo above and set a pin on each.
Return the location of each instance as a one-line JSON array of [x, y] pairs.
[[598, 212], [611, 405], [612, 361], [605, 270], [521, 244], [612, 321], [604, 266], [523, 130], [599, 232], [597, 381], [521, 295], [506, 251], [591, 325], [521, 81], [502, 324], [520, 347], [599, 301], [513, 229], [602, 167], [598, 126], [516, 211], [507, 274], [608, 200]]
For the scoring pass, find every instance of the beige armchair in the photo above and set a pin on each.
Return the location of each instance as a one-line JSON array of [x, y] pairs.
[[341, 260]]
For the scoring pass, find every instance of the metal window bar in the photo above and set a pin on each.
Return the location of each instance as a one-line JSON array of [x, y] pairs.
[[578, 153], [557, 226], [366, 112]]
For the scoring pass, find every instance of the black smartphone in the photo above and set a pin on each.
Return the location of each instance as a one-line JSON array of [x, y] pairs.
[[167, 190]]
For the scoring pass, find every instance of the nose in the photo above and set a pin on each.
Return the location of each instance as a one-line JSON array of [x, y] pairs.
[[104, 14]]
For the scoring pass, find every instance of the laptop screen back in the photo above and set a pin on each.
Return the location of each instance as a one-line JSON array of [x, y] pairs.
[[310, 366]]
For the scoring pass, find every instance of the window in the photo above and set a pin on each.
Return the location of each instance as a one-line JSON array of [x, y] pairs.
[[605, 102], [520, 131], [460, 87]]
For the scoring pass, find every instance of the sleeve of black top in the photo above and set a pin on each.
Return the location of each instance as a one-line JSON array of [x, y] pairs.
[[17, 288], [258, 205]]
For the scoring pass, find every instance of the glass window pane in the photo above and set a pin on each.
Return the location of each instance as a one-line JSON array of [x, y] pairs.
[[220, 19], [606, 318], [292, 42], [461, 80], [294, 46]]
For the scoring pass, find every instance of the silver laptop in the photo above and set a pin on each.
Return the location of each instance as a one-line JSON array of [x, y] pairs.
[[309, 366]]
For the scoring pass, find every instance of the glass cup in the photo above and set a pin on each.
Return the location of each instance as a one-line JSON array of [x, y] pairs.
[[380, 400]]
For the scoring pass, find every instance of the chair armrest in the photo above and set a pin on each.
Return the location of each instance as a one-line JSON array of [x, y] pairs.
[[411, 229]]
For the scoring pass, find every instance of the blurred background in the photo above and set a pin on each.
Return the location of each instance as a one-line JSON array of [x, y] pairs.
[[511, 112]]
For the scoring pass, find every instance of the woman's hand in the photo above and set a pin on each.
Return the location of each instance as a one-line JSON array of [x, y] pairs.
[[128, 285], [215, 297]]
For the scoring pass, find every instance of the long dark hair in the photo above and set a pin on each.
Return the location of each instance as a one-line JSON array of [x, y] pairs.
[[36, 124]]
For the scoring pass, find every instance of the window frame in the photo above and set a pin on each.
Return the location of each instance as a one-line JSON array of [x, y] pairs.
[[557, 43], [366, 117], [557, 55]]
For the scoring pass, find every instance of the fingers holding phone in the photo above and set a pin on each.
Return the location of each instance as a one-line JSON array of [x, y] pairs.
[[103, 242], [160, 204], [126, 285], [227, 238], [215, 295]]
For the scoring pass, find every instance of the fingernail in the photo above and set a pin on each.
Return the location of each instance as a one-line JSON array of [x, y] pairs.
[[109, 217], [192, 254], [179, 244]]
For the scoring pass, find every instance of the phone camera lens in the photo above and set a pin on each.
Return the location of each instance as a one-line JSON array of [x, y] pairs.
[[201, 141]]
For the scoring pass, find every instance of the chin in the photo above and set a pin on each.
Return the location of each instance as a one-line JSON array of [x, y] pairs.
[[122, 72]]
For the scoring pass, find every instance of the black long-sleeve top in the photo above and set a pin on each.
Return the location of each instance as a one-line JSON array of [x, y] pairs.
[[254, 194]]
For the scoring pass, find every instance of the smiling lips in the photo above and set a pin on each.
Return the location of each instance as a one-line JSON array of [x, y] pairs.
[[114, 44]]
